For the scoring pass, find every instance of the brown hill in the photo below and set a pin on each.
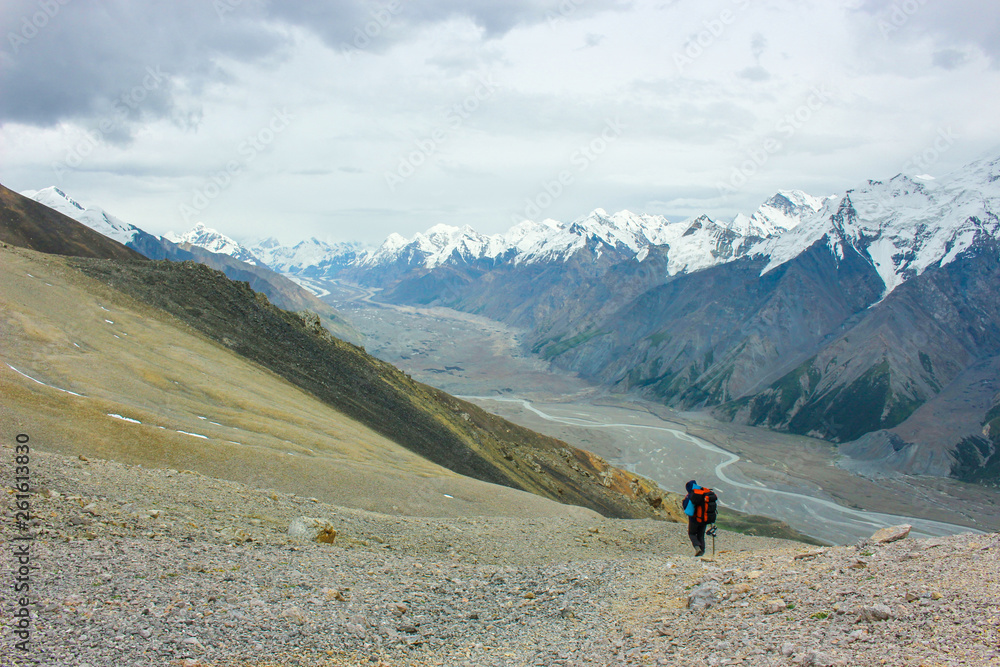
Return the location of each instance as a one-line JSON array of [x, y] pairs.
[[28, 224]]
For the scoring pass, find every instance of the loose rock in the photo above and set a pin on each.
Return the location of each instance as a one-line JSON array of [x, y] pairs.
[[312, 530], [891, 534]]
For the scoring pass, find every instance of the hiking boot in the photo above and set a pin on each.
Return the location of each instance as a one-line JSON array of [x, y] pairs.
[[701, 552]]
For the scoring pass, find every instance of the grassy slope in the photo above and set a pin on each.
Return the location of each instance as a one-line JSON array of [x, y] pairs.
[[445, 430]]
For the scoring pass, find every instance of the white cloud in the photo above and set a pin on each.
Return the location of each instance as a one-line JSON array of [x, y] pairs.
[[701, 89]]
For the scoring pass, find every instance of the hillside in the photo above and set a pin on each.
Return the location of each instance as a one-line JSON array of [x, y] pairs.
[[139, 566], [445, 430]]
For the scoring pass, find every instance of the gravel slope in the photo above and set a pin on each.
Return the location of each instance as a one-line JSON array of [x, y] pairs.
[[153, 567]]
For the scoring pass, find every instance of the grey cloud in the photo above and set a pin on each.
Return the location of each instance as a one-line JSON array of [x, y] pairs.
[[81, 61], [113, 65], [496, 18], [351, 24], [755, 73], [757, 46], [949, 58], [954, 24]]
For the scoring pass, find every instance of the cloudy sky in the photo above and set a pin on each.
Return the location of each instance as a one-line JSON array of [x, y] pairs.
[[350, 119]]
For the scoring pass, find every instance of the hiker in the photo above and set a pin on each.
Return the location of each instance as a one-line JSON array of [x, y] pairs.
[[700, 506]]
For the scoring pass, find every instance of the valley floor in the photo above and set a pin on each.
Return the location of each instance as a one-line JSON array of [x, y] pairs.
[[790, 478], [141, 566]]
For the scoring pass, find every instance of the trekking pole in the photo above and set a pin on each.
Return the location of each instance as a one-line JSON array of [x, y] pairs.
[[711, 531]]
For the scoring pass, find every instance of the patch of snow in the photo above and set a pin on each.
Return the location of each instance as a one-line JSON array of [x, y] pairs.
[[124, 419], [23, 374]]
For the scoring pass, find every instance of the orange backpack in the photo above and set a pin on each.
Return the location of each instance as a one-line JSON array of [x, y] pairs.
[[705, 505]]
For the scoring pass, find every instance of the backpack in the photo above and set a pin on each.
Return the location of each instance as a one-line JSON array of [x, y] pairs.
[[705, 503]]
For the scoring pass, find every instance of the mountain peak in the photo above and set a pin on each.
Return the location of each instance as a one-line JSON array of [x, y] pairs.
[[95, 218], [52, 195], [443, 230], [901, 226], [214, 241]]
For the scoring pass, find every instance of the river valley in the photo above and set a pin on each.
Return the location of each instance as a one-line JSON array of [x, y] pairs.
[[791, 478]]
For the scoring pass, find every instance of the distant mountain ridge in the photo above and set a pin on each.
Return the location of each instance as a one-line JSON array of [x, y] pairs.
[[29, 224], [536, 242]]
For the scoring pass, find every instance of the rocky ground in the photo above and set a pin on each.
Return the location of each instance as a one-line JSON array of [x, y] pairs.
[[156, 567]]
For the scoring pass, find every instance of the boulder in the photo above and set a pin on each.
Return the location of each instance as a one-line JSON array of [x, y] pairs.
[[742, 589], [706, 595], [775, 606], [312, 530], [878, 612], [295, 615], [891, 534]]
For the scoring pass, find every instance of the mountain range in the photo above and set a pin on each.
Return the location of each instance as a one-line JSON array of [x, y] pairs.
[[529, 242], [869, 318]]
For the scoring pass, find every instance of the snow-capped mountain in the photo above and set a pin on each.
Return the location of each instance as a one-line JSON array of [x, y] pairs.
[[826, 316], [782, 212], [694, 244], [214, 241], [311, 257], [441, 244], [901, 226], [303, 255], [92, 216]]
